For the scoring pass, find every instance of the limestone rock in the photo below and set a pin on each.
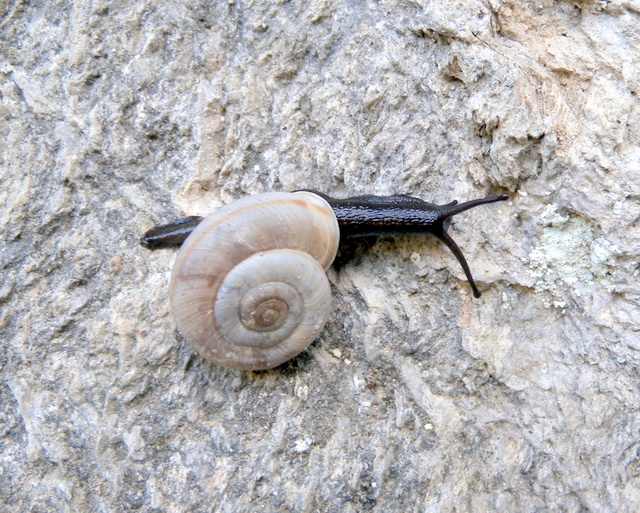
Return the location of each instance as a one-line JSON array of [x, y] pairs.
[[116, 116]]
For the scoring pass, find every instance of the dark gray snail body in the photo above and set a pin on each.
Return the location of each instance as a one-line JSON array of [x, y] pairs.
[[249, 289]]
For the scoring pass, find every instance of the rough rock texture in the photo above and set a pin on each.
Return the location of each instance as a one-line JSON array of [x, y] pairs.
[[118, 115]]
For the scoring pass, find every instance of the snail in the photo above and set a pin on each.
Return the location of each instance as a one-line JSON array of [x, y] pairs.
[[249, 289]]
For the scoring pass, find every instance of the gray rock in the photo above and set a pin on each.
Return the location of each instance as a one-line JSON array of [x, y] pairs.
[[116, 116]]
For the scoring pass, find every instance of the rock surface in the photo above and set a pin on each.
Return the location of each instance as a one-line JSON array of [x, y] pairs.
[[116, 116]]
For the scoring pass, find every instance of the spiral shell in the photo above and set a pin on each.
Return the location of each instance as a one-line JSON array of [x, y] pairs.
[[249, 289]]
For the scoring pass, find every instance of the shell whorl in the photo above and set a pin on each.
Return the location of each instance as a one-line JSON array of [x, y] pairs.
[[248, 288]]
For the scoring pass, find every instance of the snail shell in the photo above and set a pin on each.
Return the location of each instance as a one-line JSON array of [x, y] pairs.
[[249, 288]]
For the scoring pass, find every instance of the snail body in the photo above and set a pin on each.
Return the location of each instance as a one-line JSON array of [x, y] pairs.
[[249, 288]]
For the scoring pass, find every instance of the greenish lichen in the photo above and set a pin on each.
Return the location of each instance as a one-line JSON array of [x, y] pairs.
[[570, 251]]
